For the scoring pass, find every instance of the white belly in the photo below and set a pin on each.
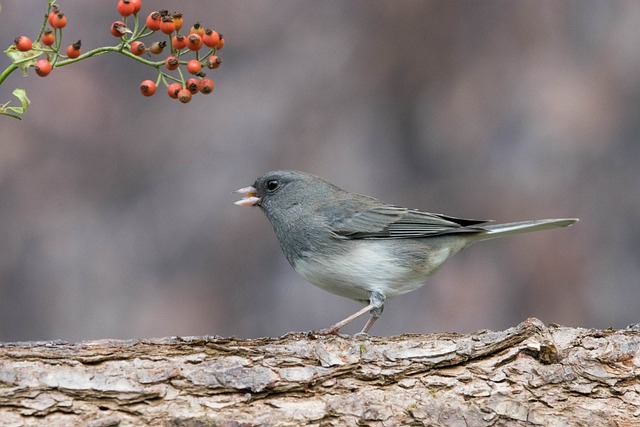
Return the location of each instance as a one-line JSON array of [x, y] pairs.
[[371, 266]]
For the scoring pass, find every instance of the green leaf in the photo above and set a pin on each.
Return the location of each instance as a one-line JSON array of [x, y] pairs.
[[24, 59], [21, 94], [16, 112]]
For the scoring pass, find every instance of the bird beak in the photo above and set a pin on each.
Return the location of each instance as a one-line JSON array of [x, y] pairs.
[[249, 199]]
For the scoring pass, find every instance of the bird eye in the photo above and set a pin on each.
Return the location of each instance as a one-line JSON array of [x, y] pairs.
[[272, 185]]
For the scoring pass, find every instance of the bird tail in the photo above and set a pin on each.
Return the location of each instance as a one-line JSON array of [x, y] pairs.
[[498, 230]]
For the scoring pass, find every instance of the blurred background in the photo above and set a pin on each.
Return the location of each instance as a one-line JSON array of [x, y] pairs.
[[116, 214]]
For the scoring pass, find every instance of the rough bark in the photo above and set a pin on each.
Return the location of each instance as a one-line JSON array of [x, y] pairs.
[[528, 375]]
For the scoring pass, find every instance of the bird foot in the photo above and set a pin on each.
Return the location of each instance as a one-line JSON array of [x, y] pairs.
[[324, 332]]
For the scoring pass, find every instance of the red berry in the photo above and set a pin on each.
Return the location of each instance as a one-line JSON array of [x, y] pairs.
[[118, 29], [153, 21], [220, 44], [194, 66], [125, 7], [197, 29], [138, 48], [206, 86], [23, 43], [171, 62], [184, 95], [148, 87], [213, 62], [194, 42], [177, 20], [73, 51], [167, 25], [52, 14], [137, 5], [211, 38], [179, 41], [192, 85], [57, 19], [157, 47], [48, 38], [43, 67], [173, 90]]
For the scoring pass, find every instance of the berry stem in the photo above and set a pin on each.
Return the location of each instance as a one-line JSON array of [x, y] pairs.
[[181, 77], [95, 52], [107, 49], [143, 34], [170, 77], [46, 16], [56, 46], [135, 34]]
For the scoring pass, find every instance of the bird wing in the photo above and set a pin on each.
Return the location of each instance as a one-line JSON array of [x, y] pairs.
[[371, 219]]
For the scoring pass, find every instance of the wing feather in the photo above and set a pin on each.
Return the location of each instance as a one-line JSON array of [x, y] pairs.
[[367, 218]]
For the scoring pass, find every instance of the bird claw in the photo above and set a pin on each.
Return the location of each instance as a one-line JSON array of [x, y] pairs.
[[323, 332]]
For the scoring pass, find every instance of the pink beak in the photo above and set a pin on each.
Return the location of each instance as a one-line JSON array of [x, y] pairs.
[[250, 198]]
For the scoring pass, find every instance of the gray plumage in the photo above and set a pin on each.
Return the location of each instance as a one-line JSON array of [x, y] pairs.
[[359, 247]]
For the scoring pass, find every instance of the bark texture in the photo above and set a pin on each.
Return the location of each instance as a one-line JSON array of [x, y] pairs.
[[528, 375]]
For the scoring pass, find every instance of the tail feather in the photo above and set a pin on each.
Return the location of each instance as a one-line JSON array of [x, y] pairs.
[[498, 230]]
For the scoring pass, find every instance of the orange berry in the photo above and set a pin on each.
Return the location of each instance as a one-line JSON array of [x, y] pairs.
[[137, 5], [48, 38], [192, 85], [153, 21], [213, 62], [211, 38], [43, 67], [194, 42], [177, 20], [220, 44], [73, 51], [138, 48], [125, 7], [23, 43], [194, 66], [173, 90], [148, 87], [197, 29], [167, 25], [184, 96], [206, 86], [118, 29], [171, 62], [179, 41], [57, 19], [54, 11]]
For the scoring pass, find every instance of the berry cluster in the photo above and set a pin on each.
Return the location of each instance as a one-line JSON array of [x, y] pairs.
[[203, 43], [58, 21], [197, 41]]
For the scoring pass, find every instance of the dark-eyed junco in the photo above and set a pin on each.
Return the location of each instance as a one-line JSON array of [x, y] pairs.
[[361, 248]]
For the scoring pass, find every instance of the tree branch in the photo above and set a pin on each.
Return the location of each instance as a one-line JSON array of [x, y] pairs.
[[528, 375]]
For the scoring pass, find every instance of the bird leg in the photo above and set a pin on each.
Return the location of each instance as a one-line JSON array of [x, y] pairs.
[[375, 307], [376, 299], [368, 325]]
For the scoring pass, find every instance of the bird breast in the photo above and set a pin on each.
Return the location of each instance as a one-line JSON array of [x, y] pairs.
[[390, 267]]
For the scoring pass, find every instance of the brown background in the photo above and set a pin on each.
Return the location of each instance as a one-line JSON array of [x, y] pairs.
[[116, 218]]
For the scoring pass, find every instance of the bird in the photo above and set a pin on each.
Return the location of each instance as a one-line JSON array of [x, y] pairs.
[[361, 248]]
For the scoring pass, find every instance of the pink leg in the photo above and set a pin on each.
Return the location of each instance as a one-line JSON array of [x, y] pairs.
[[335, 328], [376, 304], [368, 325]]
